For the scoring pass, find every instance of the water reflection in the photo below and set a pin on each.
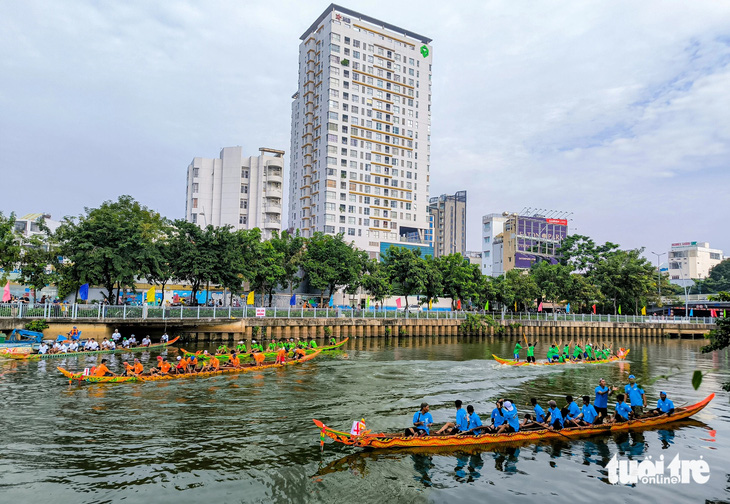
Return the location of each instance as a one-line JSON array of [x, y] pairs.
[[422, 464], [666, 436]]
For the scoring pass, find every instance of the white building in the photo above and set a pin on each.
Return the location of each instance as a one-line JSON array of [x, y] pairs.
[[692, 261], [492, 227], [243, 192], [30, 224], [361, 125]]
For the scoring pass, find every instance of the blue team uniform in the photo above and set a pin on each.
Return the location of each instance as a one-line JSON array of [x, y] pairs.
[[497, 417], [462, 422], [426, 418], [664, 405], [573, 411], [474, 422], [589, 413], [601, 399], [512, 418], [555, 415], [539, 414], [634, 394], [623, 410]]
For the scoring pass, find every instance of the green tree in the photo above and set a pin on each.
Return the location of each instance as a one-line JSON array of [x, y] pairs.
[[38, 260], [626, 279], [718, 279], [376, 282], [267, 271], [553, 280], [458, 280], [292, 249], [433, 282], [110, 245], [193, 253], [719, 339], [406, 269], [582, 254], [9, 246], [330, 263], [159, 269], [523, 288]]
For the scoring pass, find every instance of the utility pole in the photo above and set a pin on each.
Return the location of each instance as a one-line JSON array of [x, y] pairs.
[[659, 274]]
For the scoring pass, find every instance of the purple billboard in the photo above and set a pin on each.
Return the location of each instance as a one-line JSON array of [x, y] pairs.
[[538, 239]]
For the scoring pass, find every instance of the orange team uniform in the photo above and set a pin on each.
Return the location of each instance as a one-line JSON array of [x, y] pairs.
[[102, 370], [281, 356], [183, 364], [259, 357], [235, 361], [164, 367], [215, 363], [129, 368], [300, 352], [138, 368]]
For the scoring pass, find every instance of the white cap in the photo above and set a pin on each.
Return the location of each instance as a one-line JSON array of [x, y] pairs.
[[179, 358], [508, 406]]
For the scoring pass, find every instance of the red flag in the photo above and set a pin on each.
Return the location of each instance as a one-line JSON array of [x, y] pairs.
[[397, 302], [6, 293], [458, 304], [539, 308], [594, 309]]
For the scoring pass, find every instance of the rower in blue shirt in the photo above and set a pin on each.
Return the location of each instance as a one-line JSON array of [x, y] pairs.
[[571, 411], [636, 396], [553, 418], [539, 412], [474, 422], [588, 414], [461, 424], [623, 410], [511, 418], [422, 421], [497, 416], [601, 401], [663, 405]]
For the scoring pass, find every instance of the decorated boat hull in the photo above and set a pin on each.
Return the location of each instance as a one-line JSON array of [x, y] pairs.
[[511, 362], [80, 377], [384, 440], [32, 356]]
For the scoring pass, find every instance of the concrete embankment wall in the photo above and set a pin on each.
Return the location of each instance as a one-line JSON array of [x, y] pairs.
[[242, 329]]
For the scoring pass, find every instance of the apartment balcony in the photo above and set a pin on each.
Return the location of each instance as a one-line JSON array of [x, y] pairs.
[[274, 190], [274, 174]]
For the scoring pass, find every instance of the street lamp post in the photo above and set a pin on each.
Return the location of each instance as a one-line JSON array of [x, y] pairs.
[[659, 274]]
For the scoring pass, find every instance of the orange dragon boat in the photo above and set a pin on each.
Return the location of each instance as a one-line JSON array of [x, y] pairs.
[[622, 353], [383, 440], [80, 377]]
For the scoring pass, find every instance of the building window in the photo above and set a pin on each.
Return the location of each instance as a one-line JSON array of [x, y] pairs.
[[244, 173], [244, 188], [242, 219], [195, 202], [195, 172], [244, 204], [194, 218], [195, 187]]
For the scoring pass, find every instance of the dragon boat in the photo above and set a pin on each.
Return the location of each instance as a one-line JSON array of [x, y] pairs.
[[622, 353], [247, 357], [384, 440], [37, 356], [81, 377]]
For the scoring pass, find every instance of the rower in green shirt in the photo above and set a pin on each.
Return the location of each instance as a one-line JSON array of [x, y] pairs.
[[312, 344], [272, 346], [241, 347], [589, 352], [577, 352], [566, 353], [531, 352], [518, 347], [333, 341]]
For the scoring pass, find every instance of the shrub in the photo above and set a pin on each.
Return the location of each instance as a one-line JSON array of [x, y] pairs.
[[36, 325], [388, 331], [254, 331], [402, 331], [327, 332]]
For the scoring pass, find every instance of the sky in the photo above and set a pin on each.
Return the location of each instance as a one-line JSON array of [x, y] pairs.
[[617, 111]]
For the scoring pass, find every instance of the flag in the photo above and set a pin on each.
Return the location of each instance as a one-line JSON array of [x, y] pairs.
[[249, 299], [594, 309], [458, 304], [6, 293], [539, 307], [176, 298], [293, 300], [151, 295], [486, 306], [430, 304], [332, 300], [321, 438], [643, 310], [567, 308], [358, 428], [367, 302], [724, 313], [619, 309], [84, 292], [397, 302], [692, 312], [515, 305]]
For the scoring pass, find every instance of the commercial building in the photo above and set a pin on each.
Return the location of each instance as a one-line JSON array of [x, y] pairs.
[[474, 257], [242, 192], [492, 227], [449, 223], [361, 125], [519, 241], [692, 261], [30, 224]]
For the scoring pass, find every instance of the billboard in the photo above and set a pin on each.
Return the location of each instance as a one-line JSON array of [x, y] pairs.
[[562, 222]]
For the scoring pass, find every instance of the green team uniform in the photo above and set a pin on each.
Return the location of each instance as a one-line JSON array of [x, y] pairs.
[[240, 348], [550, 354], [531, 351], [333, 341], [518, 347], [312, 344], [272, 347], [577, 353]]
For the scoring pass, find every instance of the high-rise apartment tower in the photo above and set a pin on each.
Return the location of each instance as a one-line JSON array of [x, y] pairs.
[[361, 127]]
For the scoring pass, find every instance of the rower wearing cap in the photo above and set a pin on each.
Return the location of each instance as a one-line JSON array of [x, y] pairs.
[[241, 347], [422, 421], [281, 355], [664, 406], [234, 361], [192, 363], [299, 353], [163, 367], [182, 365], [636, 396], [553, 418], [511, 418]]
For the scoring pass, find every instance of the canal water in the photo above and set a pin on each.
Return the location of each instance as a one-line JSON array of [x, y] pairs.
[[250, 438]]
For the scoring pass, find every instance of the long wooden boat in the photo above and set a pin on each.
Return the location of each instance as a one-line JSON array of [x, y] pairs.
[[511, 362], [37, 356], [384, 440], [247, 357], [80, 377]]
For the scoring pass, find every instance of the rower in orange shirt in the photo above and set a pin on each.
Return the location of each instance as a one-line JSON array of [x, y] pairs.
[[102, 370], [182, 364], [234, 361], [138, 367], [281, 356], [299, 353], [163, 367], [259, 358], [213, 365]]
